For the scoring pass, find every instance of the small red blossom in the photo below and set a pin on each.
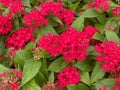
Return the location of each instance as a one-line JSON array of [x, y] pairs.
[[68, 76], [100, 4], [116, 11], [19, 38], [9, 80], [19, 74], [50, 43], [109, 56], [16, 7], [116, 87], [72, 44], [35, 19], [58, 10], [14, 86], [5, 24], [49, 86]]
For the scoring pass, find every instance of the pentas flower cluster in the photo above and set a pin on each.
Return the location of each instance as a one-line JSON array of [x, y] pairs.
[[15, 6], [10, 80], [116, 87], [102, 88], [50, 43], [100, 4], [37, 17], [57, 9], [72, 44], [48, 86], [68, 76], [19, 38], [109, 56], [116, 11], [5, 24]]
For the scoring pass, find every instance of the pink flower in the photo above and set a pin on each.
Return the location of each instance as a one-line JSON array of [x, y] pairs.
[[16, 7], [109, 56], [100, 4], [72, 44], [68, 76], [19, 74], [116, 11], [14, 86], [5, 24], [19, 38], [58, 10], [118, 79], [50, 43], [35, 19], [116, 87]]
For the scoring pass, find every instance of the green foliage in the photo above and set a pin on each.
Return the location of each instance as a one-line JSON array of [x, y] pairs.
[[30, 70], [58, 65]]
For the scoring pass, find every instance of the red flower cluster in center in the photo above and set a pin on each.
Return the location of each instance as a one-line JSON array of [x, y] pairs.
[[72, 44]]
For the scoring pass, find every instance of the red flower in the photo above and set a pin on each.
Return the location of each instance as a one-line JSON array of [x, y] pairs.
[[19, 38], [5, 24], [100, 4], [68, 76]]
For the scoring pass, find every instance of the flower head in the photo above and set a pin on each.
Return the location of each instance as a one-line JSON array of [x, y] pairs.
[[68, 76]]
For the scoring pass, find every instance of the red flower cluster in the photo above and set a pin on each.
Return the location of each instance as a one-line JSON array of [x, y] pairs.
[[72, 44], [48, 86], [57, 9], [50, 43], [10, 80], [68, 76], [109, 56], [19, 38], [116, 87], [5, 24], [15, 6], [100, 4], [37, 17], [116, 11]]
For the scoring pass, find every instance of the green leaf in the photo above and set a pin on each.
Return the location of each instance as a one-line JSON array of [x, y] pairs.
[[57, 65], [27, 3], [21, 56], [109, 82], [43, 68], [30, 70], [40, 78], [57, 19], [3, 69], [51, 77], [85, 77], [90, 13], [100, 27], [97, 73], [2, 46], [78, 23], [31, 85], [98, 36], [84, 65], [102, 18], [80, 86], [110, 35], [73, 6], [45, 30]]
